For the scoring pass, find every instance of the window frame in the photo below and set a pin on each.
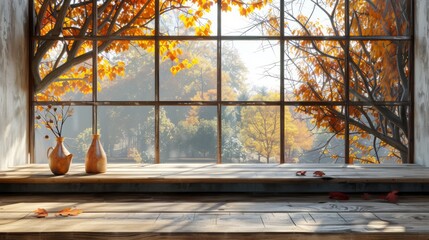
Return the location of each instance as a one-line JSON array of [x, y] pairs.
[[94, 103]]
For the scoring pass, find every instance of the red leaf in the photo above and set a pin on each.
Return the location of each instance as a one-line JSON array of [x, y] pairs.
[[41, 213], [301, 173], [392, 197], [69, 212], [338, 196], [366, 196], [318, 174]]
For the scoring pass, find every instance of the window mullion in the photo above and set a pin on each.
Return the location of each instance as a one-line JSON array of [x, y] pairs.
[[347, 84], [94, 67], [282, 85], [157, 107], [219, 82]]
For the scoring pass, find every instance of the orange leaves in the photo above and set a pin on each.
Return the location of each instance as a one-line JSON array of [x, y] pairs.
[[108, 70], [300, 173], [69, 212], [226, 7], [42, 213], [244, 8]]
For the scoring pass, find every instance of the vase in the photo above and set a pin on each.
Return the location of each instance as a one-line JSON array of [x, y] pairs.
[[59, 158], [95, 160]]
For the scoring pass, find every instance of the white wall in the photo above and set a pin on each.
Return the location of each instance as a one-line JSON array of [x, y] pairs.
[[13, 82], [422, 83]]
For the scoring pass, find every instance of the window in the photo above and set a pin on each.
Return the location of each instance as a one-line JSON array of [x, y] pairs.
[[252, 81]]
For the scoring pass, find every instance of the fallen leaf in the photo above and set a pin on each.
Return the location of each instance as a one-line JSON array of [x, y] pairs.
[[366, 196], [392, 197], [40, 213], [69, 212], [300, 173], [318, 174], [338, 196]]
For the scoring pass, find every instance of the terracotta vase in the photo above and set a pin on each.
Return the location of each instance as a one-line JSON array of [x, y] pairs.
[[95, 160], [59, 158]]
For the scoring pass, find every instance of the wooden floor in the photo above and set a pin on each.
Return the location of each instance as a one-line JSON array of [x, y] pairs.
[[220, 173], [214, 216], [211, 214]]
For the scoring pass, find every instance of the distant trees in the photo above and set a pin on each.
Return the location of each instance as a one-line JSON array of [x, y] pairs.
[[260, 131]]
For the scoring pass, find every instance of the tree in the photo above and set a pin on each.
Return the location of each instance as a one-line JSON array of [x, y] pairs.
[[378, 73], [260, 130], [298, 137], [65, 65]]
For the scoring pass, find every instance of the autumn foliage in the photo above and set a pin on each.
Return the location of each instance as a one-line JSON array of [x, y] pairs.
[[60, 66], [378, 74]]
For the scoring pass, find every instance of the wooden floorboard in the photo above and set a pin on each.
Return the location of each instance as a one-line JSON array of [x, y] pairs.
[[214, 216]]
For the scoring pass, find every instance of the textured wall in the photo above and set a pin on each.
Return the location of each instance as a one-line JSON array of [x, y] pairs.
[[422, 83], [13, 82]]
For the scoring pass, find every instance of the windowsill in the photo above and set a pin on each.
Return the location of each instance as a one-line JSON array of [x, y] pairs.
[[220, 173]]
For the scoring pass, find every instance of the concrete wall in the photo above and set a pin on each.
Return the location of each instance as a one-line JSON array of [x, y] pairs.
[[422, 83], [13, 83]]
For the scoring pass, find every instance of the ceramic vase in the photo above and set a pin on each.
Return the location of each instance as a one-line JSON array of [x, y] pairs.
[[95, 160], [59, 158]]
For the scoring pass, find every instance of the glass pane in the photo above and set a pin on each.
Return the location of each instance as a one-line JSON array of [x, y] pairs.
[[250, 68], [64, 71], [126, 18], [314, 134], [314, 71], [378, 134], [75, 16], [380, 17], [127, 133], [188, 134], [379, 71], [251, 134], [188, 70], [126, 71], [251, 18], [198, 18], [314, 18], [77, 132]]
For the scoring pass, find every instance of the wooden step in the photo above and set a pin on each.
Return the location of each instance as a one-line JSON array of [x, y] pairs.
[[218, 178]]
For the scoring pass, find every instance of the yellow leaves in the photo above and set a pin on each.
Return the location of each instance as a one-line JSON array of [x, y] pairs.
[[204, 30], [188, 21], [185, 64]]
